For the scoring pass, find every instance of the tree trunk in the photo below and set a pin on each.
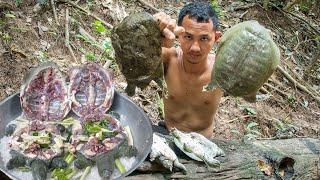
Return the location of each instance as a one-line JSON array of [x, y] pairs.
[[265, 159]]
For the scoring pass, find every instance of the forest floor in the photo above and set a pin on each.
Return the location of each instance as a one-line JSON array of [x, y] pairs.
[[30, 34]]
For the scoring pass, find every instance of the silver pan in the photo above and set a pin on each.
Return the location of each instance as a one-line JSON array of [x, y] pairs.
[[131, 115]]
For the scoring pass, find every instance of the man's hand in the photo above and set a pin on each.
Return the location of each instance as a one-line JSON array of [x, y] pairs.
[[169, 28]]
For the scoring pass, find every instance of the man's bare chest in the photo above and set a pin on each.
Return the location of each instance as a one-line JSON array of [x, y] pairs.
[[187, 91]]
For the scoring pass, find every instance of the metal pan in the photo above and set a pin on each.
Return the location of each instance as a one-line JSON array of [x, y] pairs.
[[130, 114]]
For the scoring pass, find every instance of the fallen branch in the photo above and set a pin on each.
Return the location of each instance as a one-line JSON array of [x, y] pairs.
[[296, 16], [244, 7], [276, 89], [87, 12], [297, 84], [86, 34], [264, 90], [54, 11], [107, 64], [303, 82], [149, 6], [67, 41], [237, 118], [295, 158]]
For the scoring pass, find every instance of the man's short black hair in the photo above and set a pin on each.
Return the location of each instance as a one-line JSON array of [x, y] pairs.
[[200, 11]]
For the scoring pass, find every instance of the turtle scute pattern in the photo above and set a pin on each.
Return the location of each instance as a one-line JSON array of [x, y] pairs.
[[137, 44], [246, 58]]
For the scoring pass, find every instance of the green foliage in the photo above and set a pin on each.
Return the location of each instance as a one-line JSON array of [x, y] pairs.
[[2, 24], [283, 125], [95, 127], [85, 39], [280, 4], [107, 44], [120, 166], [61, 174], [5, 36], [160, 105], [216, 7], [306, 5], [247, 110], [90, 56], [251, 132], [99, 129], [105, 47], [24, 169], [292, 101], [250, 111], [99, 27], [9, 15], [18, 2]]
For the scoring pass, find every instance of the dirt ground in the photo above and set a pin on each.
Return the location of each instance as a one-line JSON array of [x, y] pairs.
[[30, 36]]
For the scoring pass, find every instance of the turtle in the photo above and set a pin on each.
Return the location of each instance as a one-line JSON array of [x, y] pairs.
[[197, 147], [91, 91], [44, 93], [137, 44], [161, 152], [246, 57]]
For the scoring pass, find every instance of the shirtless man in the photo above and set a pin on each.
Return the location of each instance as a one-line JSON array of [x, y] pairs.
[[188, 69]]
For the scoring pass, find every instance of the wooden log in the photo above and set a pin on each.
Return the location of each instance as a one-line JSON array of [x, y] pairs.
[[296, 158]]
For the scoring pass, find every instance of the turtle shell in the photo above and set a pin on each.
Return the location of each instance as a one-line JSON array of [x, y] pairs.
[[44, 94], [137, 44], [246, 58], [91, 91]]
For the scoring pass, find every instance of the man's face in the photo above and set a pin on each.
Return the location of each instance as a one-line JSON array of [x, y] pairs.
[[197, 40]]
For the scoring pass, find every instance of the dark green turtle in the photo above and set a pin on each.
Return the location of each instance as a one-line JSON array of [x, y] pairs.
[[246, 58], [137, 44]]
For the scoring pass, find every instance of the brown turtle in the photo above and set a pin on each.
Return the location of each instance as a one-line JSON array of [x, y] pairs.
[[246, 58], [137, 44]]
